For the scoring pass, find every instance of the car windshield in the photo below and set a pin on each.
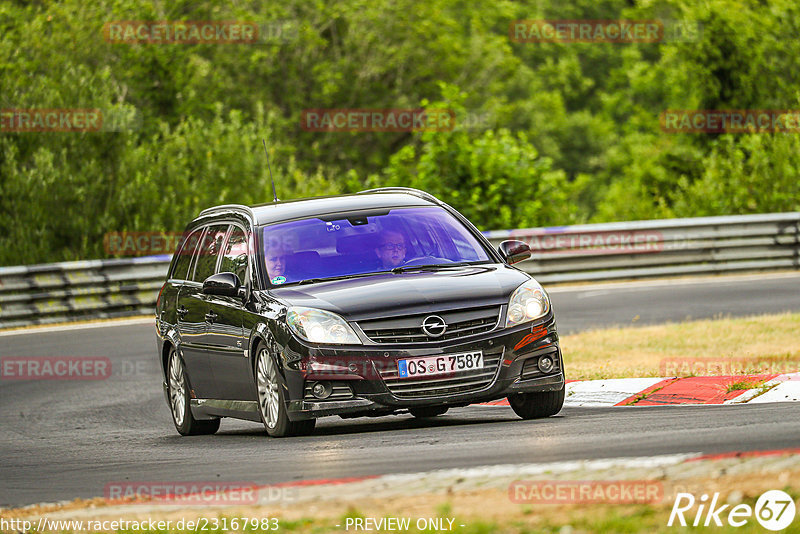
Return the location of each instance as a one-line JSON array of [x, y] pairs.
[[355, 244]]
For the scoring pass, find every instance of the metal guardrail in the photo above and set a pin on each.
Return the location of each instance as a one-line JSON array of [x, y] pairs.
[[68, 291], [59, 292], [657, 248]]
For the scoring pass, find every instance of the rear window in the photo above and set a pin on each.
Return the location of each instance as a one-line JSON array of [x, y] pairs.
[[359, 244]]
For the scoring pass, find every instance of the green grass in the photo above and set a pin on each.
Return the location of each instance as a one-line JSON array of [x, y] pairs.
[[744, 385], [746, 345]]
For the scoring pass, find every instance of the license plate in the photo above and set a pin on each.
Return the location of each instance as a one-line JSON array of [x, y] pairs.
[[439, 365]]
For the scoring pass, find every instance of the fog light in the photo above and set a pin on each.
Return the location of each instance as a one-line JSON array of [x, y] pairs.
[[321, 390], [545, 364]]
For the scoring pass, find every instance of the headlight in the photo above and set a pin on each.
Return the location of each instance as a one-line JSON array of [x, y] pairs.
[[528, 302], [320, 326]]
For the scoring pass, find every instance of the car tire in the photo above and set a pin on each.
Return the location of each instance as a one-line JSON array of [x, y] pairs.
[[178, 392], [428, 411], [272, 400], [537, 405]]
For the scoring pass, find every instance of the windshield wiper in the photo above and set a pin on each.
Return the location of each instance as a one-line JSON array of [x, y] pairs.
[[430, 267], [332, 278], [396, 270]]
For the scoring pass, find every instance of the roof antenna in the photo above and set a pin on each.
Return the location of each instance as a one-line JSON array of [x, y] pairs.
[[274, 194]]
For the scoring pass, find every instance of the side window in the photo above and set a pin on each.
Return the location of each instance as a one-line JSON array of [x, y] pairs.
[[234, 257], [183, 257], [208, 251]]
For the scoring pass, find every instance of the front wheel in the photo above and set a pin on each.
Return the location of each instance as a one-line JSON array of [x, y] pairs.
[[272, 403], [178, 390], [537, 405]]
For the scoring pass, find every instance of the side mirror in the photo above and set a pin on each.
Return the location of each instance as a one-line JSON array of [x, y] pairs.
[[224, 285], [514, 251]]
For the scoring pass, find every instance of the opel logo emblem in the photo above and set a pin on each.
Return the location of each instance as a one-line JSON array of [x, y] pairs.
[[434, 326]]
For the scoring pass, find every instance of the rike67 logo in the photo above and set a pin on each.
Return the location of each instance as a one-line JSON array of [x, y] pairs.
[[774, 510]]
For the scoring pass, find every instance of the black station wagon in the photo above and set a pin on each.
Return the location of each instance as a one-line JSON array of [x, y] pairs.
[[386, 301]]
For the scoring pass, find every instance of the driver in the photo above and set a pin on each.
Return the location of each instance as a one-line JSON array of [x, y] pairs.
[[391, 249]]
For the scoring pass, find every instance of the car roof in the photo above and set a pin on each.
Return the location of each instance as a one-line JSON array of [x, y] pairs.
[[309, 207]]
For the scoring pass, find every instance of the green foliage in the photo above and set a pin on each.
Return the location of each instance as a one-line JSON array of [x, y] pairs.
[[573, 134], [752, 174], [496, 179]]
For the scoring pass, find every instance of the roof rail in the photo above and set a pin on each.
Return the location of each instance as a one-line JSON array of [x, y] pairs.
[[230, 207], [407, 190]]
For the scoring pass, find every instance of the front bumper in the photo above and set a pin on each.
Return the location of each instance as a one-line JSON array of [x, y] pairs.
[[369, 373]]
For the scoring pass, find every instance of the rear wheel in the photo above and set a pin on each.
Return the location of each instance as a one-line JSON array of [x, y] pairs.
[[428, 411], [537, 405], [272, 402], [178, 389]]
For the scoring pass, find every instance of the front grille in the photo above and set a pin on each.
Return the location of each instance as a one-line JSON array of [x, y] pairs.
[[530, 368], [408, 329], [463, 382], [340, 391]]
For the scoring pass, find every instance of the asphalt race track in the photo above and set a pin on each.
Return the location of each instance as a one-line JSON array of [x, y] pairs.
[[66, 439], [652, 302]]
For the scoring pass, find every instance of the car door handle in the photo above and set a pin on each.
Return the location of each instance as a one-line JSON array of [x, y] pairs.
[[211, 316], [182, 312]]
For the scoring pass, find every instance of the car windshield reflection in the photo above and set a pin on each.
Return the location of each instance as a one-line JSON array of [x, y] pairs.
[[398, 240]]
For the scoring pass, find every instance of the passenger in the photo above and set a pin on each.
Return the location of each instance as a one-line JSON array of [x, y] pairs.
[[391, 249], [276, 264]]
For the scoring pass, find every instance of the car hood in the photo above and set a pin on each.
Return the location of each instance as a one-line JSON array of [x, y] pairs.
[[386, 295]]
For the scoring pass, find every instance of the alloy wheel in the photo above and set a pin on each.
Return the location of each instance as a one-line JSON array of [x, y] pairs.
[[268, 399], [177, 388]]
